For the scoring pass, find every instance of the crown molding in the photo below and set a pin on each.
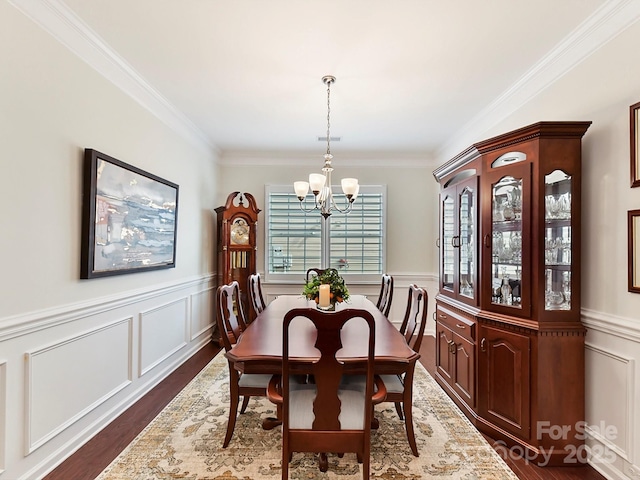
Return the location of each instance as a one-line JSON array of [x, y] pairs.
[[64, 25], [608, 21], [311, 159]]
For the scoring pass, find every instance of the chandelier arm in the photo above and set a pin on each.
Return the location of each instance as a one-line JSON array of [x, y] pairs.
[[317, 205], [346, 209]]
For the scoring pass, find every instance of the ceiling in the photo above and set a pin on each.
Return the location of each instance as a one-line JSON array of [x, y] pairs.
[[245, 75]]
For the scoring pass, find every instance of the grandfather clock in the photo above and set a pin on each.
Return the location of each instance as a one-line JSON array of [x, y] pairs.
[[237, 224]]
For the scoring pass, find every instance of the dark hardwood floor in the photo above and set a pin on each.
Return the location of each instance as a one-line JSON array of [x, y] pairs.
[[96, 454]]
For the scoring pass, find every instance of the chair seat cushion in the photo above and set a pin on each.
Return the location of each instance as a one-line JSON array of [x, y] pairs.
[[393, 383], [301, 406], [254, 380]]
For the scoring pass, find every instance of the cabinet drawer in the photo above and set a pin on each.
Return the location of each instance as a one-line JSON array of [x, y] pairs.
[[463, 326]]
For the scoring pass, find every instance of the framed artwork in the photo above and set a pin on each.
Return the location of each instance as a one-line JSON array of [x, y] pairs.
[[634, 122], [129, 218], [633, 225]]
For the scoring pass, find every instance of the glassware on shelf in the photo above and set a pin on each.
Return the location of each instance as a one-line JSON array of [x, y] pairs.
[[498, 209], [508, 212], [515, 242], [505, 291]]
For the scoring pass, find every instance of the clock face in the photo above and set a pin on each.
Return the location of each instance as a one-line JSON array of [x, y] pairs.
[[239, 232]]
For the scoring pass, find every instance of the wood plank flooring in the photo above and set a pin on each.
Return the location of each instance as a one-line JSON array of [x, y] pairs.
[[95, 455]]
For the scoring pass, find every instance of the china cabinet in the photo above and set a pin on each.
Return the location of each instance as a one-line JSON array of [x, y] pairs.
[[510, 343]]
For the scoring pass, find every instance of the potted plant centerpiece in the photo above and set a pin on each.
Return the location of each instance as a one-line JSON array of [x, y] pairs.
[[316, 289]]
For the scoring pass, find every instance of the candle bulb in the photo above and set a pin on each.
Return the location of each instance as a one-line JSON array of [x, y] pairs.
[[324, 295]]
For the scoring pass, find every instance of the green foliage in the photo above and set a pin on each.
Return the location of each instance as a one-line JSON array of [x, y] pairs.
[[329, 277]]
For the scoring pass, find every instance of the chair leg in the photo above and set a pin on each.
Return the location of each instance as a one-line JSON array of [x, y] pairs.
[[408, 423], [399, 410], [286, 458], [245, 402], [366, 467], [233, 408]]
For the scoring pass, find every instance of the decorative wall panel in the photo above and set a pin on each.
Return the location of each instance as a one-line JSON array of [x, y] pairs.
[[3, 412], [201, 312], [67, 379], [163, 331]]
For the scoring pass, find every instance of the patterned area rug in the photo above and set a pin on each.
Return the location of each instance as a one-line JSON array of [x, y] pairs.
[[185, 441]]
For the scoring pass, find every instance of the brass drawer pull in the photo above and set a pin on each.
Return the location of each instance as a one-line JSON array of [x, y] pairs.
[[461, 326]]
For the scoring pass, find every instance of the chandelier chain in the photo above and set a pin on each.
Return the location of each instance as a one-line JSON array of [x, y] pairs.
[[328, 117]]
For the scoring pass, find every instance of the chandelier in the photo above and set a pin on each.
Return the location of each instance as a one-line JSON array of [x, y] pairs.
[[320, 183]]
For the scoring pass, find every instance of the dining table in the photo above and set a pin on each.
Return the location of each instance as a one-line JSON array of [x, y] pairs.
[[259, 348]]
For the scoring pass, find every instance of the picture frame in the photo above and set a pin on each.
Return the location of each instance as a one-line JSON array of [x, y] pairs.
[[634, 135], [129, 218], [633, 226]]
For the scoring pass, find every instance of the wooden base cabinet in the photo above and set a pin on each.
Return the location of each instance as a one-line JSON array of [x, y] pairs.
[[456, 354], [504, 364], [509, 340]]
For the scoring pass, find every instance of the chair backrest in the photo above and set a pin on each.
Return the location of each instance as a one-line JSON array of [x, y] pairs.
[[415, 317], [231, 319], [312, 272], [255, 293], [386, 294], [327, 371]]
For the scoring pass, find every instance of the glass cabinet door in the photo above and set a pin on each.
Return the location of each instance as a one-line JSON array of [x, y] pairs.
[[506, 242], [557, 241], [447, 242], [466, 244]]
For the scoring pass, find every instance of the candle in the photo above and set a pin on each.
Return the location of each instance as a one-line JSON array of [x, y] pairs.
[[324, 295]]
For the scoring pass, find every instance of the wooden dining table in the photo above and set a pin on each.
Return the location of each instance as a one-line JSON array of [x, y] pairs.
[[259, 348]]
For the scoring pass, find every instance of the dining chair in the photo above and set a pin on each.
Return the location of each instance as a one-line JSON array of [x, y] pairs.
[[231, 324], [312, 272], [386, 294], [255, 293], [327, 416], [400, 387]]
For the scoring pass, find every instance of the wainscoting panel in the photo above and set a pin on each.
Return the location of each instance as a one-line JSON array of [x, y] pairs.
[[612, 414], [612, 394], [67, 379], [66, 372], [163, 331], [3, 412], [201, 312]]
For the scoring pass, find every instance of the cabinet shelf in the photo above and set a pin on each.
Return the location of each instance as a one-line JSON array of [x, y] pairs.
[[557, 222], [507, 226]]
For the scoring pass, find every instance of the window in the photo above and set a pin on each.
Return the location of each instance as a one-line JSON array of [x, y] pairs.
[[297, 241]]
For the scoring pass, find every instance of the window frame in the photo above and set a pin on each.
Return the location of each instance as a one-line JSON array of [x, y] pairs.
[[297, 277]]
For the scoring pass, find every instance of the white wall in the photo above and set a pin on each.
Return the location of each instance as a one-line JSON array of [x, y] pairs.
[[601, 89], [75, 353]]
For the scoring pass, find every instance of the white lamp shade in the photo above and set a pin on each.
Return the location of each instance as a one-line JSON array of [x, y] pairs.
[[355, 195], [301, 188], [349, 185], [316, 181]]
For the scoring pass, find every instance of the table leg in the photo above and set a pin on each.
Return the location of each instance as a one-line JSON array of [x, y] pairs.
[[270, 423], [323, 462]]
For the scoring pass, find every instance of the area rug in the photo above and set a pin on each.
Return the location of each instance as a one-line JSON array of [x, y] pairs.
[[185, 441]]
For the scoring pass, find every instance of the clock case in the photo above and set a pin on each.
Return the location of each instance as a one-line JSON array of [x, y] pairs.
[[236, 261]]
